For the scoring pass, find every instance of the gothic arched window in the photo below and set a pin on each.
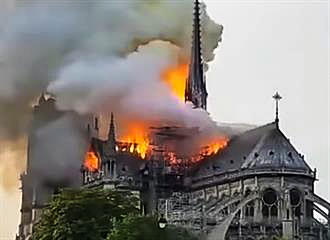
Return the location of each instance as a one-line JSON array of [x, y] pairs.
[[249, 209], [269, 206], [295, 197]]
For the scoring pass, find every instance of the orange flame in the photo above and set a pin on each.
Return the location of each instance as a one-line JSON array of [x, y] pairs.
[[175, 77], [136, 141], [136, 138], [209, 150], [92, 162], [214, 147]]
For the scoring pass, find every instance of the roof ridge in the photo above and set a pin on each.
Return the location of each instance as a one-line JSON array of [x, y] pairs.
[[293, 147], [271, 125]]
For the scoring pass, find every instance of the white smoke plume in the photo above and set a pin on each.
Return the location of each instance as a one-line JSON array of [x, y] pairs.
[[96, 57]]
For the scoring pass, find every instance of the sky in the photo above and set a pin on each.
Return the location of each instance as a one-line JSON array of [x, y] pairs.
[[267, 46]]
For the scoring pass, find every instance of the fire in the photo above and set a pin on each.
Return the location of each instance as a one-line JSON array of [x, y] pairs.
[[92, 162], [136, 137], [136, 141], [175, 77], [206, 151], [214, 147]]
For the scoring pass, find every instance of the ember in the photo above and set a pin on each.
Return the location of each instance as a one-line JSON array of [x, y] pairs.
[[92, 162]]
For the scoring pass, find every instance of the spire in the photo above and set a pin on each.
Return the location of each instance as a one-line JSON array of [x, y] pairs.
[[88, 131], [277, 98], [42, 99], [195, 91], [96, 124], [112, 135]]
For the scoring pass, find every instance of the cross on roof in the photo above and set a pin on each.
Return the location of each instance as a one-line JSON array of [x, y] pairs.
[[277, 98]]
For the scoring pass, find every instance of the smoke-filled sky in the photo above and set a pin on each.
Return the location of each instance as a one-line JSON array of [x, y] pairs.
[[267, 46], [96, 57]]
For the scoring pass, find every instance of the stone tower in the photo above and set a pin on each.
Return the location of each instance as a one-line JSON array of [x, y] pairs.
[[35, 194]]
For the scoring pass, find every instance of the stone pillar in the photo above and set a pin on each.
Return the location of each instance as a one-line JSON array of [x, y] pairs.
[[229, 189], [321, 234], [241, 186], [258, 210], [287, 223], [258, 203], [114, 168], [241, 214]]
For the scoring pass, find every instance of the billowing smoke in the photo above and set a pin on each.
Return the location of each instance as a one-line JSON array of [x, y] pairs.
[[97, 57], [52, 151]]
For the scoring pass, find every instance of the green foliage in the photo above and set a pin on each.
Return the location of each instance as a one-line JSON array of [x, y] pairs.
[[146, 228], [84, 214]]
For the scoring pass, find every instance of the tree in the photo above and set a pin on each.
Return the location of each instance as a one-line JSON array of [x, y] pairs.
[[84, 214], [146, 228]]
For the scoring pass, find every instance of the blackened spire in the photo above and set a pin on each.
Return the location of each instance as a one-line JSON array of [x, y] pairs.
[[195, 91], [88, 131], [96, 123], [112, 135]]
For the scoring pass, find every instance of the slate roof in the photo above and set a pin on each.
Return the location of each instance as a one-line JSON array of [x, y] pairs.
[[262, 148], [265, 147]]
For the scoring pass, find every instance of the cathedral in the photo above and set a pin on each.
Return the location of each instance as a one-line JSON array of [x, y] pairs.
[[257, 187]]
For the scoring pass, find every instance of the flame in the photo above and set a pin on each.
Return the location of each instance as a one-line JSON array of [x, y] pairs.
[[175, 77], [214, 147], [206, 151], [136, 141], [92, 162]]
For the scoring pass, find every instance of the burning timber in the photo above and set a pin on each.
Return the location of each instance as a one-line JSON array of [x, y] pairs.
[[254, 185]]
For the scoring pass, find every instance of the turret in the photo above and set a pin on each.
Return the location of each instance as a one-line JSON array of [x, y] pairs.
[[42, 99], [112, 136]]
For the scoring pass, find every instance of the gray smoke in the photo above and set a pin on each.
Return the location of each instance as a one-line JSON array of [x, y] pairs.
[[57, 149], [97, 57], [45, 40]]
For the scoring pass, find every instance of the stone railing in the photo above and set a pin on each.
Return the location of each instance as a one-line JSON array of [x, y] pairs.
[[216, 178]]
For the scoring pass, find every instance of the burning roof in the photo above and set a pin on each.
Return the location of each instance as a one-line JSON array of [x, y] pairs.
[[264, 147], [177, 147]]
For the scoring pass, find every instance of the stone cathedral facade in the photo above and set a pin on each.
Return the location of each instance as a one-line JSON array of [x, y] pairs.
[[258, 187]]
